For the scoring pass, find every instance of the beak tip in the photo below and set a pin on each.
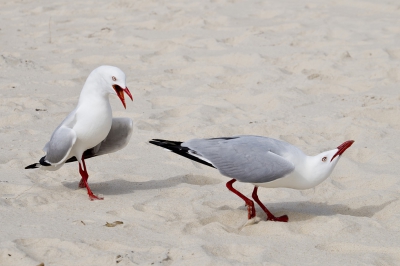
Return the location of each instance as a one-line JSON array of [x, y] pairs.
[[342, 148], [128, 93]]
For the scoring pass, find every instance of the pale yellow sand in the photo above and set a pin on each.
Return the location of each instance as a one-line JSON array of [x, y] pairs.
[[312, 73]]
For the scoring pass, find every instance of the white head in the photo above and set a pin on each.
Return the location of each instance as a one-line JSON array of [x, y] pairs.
[[109, 79], [319, 167]]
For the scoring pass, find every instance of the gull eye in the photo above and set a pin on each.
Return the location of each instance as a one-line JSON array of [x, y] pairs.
[[323, 159], [114, 78]]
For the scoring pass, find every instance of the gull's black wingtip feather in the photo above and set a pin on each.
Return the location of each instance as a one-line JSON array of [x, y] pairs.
[[164, 141], [33, 166], [154, 142], [175, 147], [42, 161], [168, 144]]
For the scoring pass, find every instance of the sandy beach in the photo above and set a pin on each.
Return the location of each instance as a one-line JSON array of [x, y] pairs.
[[312, 73]]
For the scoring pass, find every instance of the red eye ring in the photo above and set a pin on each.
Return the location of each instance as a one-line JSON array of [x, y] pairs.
[[324, 159]]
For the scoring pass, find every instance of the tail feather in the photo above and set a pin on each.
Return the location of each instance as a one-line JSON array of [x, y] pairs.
[[176, 147]]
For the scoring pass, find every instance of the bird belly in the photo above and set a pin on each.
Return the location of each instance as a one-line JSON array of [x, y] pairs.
[[91, 129], [292, 180], [93, 134]]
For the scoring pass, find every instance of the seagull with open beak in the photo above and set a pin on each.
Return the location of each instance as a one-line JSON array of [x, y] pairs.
[[261, 161], [90, 130]]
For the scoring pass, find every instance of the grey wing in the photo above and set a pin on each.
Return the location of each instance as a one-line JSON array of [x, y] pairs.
[[247, 159], [68, 122], [60, 144], [118, 137]]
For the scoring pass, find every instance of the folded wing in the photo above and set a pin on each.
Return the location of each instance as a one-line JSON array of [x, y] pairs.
[[118, 137], [60, 144], [249, 159]]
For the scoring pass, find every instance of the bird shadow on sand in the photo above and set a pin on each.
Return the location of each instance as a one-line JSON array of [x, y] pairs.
[[121, 186], [303, 211], [297, 211]]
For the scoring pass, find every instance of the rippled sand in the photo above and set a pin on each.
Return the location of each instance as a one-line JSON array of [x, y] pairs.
[[314, 74]]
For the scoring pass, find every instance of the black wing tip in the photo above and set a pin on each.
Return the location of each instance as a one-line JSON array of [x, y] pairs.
[[43, 162], [175, 147], [168, 144], [33, 166], [165, 141]]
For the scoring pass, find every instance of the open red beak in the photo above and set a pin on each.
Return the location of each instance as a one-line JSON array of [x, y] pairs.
[[120, 92], [342, 148]]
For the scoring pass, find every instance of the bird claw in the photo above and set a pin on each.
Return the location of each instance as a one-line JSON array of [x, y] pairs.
[[283, 218], [94, 197]]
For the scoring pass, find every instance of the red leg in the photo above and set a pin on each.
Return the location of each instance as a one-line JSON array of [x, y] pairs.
[[82, 183], [84, 179], [250, 204], [270, 216]]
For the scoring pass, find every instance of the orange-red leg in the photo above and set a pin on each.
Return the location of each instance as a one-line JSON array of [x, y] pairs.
[[83, 183], [270, 216], [251, 211]]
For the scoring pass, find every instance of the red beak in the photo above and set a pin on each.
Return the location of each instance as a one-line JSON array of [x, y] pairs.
[[120, 92], [342, 148]]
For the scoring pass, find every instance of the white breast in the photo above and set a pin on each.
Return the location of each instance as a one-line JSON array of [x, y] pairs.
[[293, 180], [92, 124]]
